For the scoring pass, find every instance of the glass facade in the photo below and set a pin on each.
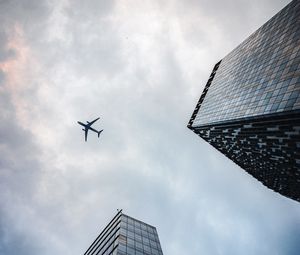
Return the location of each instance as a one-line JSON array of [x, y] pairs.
[[249, 109], [137, 238], [261, 76], [125, 235]]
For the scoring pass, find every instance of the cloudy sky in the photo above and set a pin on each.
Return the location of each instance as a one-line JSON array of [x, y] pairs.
[[141, 66]]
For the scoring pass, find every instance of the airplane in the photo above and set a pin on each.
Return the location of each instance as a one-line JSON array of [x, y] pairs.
[[88, 127]]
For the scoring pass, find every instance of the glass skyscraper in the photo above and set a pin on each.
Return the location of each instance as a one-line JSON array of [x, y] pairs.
[[250, 107], [125, 235]]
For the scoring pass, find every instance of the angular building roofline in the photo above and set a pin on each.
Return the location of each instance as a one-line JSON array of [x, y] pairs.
[[198, 105], [103, 232]]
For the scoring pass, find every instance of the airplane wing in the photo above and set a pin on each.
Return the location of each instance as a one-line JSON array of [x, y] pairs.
[[80, 123], [92, 122], [85, 134]]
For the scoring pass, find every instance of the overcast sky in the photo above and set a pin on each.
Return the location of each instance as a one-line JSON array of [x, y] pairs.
[[141, 66]]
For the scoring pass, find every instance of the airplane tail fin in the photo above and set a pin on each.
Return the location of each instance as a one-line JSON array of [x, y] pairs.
[[99, 132]]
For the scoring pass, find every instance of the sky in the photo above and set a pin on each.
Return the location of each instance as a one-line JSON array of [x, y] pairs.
[[140, 66]]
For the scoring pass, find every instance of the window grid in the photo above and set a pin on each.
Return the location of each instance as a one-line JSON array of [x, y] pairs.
[[141, 238], [261, 76]]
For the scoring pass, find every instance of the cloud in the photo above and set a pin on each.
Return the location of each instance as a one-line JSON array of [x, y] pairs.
[[141, 68]]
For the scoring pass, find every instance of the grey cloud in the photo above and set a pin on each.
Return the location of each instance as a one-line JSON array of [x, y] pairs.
[[90, 43], [31, 14], [5, 53], [2, 76], [231, 20], [19, 170], [89, 10], [63, 190], [12, 242]]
